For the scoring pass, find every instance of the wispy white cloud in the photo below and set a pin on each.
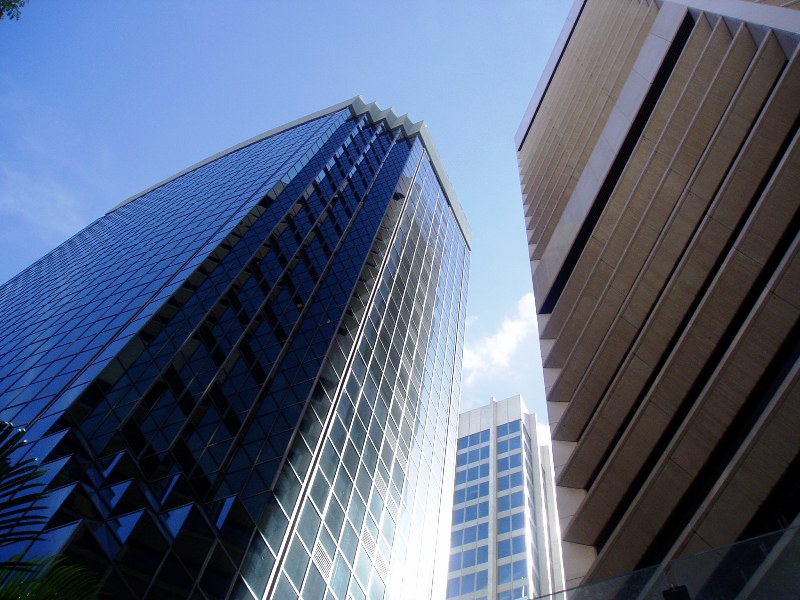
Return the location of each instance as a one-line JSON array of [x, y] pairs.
[[40, 205], [492, 355], [51, 177]]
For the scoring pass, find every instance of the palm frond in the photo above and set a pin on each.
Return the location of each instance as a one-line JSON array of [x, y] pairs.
[[21, 491], [49, 578], [22, 499]]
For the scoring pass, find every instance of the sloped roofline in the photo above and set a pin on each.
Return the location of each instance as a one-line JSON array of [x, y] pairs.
[[358, 107]]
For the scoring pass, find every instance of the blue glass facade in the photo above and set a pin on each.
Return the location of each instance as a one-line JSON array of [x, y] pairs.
[[503, 517], [244, 383]]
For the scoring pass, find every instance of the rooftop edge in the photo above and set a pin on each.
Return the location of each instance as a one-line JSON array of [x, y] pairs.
[[358, 107]]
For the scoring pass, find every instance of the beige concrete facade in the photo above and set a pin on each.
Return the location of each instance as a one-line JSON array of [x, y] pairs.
[[660, 171]]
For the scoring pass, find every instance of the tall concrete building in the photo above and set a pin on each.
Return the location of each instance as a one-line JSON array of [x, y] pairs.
[[244, 382], [504, 541], [660, 167]]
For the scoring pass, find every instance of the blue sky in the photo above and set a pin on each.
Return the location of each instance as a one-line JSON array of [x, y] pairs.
[[99, 100]]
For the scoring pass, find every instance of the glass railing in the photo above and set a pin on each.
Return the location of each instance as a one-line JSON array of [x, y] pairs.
[[762, 568]]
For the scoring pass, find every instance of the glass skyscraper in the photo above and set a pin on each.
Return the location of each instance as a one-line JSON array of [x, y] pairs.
[[244, 382], [504, 541]]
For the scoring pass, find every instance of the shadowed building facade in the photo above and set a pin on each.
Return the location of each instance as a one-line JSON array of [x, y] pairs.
[[659, 168], [244, 382]]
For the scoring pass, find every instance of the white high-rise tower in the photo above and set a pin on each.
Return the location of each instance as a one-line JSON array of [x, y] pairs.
[[505, 540]]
